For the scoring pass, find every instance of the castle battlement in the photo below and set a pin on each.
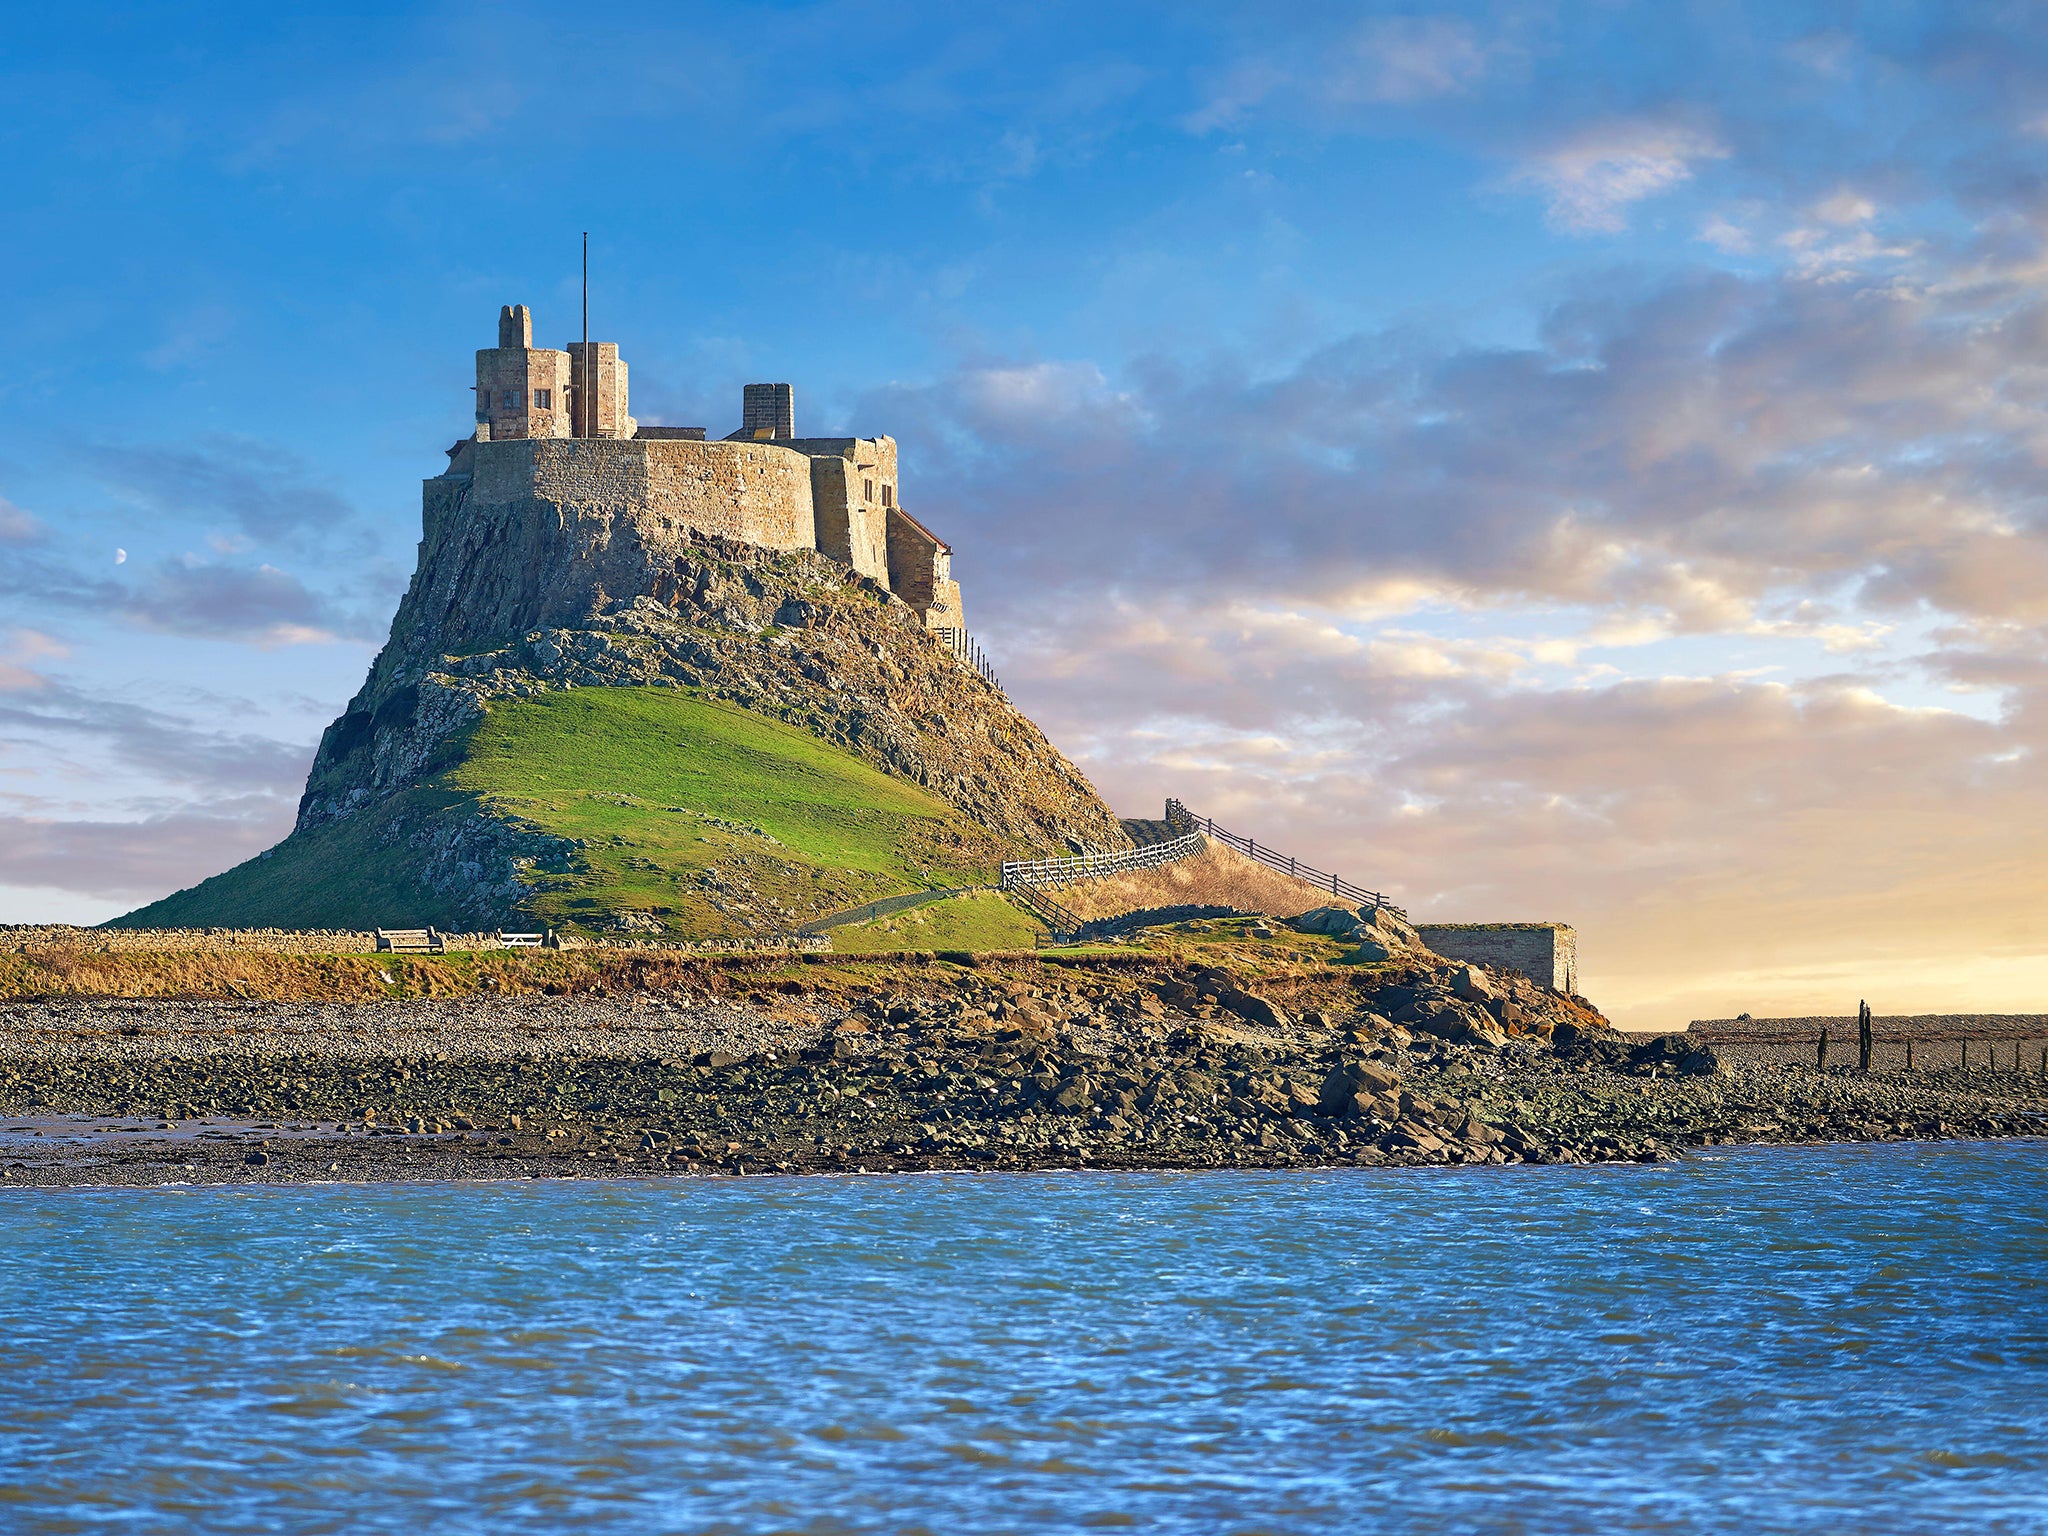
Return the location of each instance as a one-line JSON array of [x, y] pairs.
[[554, 439]]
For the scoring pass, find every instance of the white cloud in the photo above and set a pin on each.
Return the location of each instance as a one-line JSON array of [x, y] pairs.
[[1408, 58], [1594, 178]]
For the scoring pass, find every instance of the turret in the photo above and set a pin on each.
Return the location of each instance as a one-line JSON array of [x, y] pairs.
[[521, 390]]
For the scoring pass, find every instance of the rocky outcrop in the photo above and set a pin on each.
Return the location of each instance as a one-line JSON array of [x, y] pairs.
[[1379, 932], [507, 611]]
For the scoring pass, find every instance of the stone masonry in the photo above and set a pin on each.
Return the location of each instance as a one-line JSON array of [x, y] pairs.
[[1544, 952], [555, 444]]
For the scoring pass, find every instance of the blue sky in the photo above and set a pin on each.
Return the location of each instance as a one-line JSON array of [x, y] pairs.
[[1569, 461]]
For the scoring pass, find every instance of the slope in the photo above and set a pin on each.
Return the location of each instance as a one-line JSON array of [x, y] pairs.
[[636, 809]]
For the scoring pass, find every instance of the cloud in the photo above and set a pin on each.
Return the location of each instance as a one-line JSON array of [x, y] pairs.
[[17, 527], [1592, 179], [1676, 450], [138, 861], [266, 493], [166, 748], [257, 605], [25, 647], [1410, 58], [262, 605]]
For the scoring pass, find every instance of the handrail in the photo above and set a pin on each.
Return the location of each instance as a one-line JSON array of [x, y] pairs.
[[1064, 924], [1087, 866], [1179, 815]]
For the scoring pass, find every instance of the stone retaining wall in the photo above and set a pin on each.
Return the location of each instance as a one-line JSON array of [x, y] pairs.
[[1544, 952]]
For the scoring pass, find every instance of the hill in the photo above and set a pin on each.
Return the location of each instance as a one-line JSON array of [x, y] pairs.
[[612, 808]]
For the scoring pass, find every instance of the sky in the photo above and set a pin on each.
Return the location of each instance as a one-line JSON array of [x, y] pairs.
[[1572, 462]]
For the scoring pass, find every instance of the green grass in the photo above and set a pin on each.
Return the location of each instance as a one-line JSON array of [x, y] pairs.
[[981, 920], [710, 819]]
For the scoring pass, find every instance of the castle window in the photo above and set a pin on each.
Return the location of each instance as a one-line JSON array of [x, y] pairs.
[[543, 400], [867, 490], [507, 401], [888, 494]]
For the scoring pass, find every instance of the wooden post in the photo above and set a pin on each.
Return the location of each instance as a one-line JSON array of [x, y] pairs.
[[1820, 1057], [1966, 1055], [1909, 1053], [1863, 1037]]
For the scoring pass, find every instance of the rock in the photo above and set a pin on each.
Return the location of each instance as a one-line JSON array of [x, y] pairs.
[[257, 1158], [1249, 1005], [1351, 1080], [1389, 927], [1470, 983], [1333, 921], [1369, 952]]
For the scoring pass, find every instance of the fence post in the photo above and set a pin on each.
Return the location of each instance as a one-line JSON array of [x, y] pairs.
[[1820, 1057]]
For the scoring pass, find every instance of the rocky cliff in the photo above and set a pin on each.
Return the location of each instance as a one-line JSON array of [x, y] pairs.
[[465, 785], [507, 605]]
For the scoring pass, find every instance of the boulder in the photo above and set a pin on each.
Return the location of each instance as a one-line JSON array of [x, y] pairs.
[[1470, 983], [1350, 1081], [1249, 1005], [1389, 927], [1334, 921]]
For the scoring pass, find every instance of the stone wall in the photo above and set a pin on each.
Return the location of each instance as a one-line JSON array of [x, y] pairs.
[[1544, 952], [612, 419], [921, 572], [660, 486], [849, 478]]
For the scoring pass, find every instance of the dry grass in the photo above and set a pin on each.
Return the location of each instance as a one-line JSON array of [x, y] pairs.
[[1215, 877]]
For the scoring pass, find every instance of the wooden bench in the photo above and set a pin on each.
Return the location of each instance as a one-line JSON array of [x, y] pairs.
[[410, 941], [522, 940]]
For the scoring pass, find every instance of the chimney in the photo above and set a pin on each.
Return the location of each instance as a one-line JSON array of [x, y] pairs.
[[767, 410], [515, 327]]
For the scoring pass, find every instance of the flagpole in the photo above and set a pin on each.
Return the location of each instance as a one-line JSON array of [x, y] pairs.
[[589, 368]]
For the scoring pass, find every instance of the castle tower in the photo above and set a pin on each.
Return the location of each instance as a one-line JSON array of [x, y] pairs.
[[610, 418], [521, 390], [767, 411]]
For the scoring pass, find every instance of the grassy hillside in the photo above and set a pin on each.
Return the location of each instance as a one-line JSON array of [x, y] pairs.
[[984, 920], [699, 816]]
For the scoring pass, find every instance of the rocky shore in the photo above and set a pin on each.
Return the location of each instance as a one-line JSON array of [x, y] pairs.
[[1124, 1062]]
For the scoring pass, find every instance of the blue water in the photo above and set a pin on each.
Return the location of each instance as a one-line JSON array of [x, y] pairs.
[[1837, 1340]]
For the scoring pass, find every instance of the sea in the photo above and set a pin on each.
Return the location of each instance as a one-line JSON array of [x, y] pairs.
[[1824, 1339]]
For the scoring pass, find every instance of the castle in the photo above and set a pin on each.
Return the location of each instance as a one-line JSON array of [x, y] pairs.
[[555, 442]]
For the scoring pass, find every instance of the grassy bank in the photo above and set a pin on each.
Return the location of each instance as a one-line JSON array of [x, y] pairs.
[[647, 805]]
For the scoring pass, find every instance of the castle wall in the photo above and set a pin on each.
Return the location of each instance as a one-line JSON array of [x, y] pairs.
[[921, 572], [750, 491], [847, 476], [1544, 952]]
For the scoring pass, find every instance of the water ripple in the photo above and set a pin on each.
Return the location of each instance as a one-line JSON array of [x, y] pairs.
[[1782, 1340]]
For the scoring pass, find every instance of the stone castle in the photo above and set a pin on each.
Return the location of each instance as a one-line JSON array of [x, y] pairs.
[[555, 440]]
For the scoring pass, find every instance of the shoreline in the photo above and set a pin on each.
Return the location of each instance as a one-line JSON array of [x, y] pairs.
[[228, 1168], [1132, 1062]]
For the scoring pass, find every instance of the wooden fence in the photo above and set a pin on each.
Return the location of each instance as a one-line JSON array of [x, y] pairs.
[[962, 645], [1087, 866], [1179, 815]]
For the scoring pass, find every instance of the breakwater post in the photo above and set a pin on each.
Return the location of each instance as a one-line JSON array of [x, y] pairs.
[[1863, 1037], [1909, 1053], [1820, 1057]]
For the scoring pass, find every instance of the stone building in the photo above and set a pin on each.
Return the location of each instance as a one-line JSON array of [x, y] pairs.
[[555, 440]]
